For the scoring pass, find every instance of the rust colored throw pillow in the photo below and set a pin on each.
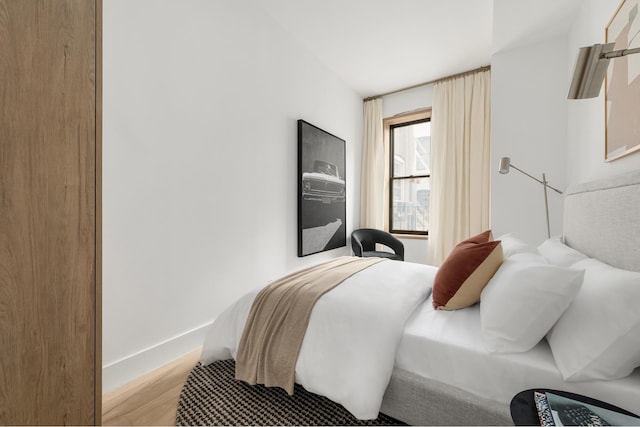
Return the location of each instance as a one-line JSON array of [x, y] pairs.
[[466, 271]]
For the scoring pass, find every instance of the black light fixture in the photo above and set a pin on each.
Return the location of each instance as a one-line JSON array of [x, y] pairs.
[[591, 67]]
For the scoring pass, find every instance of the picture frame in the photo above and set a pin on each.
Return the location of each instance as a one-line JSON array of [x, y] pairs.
[[321, 190], [622, 84]]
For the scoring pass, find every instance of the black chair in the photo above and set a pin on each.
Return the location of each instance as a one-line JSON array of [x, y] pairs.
[[363, 243]]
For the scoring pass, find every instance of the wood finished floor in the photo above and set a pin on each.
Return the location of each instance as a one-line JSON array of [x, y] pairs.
[[150, 400]]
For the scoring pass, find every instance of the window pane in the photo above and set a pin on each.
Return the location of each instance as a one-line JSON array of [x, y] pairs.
[[410, 205], [398, 166], [412, 146]]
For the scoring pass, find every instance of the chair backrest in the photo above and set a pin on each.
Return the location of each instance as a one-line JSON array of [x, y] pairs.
[[362, 240], [365, 239]]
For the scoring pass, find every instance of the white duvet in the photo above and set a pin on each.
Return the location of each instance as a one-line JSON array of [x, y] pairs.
[[354, 330]]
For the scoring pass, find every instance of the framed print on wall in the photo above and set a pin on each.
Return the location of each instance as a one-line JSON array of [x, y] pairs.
[[322, 205], [622, 87]]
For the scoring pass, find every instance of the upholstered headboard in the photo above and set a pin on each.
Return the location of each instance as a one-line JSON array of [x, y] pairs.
[[602, 220]]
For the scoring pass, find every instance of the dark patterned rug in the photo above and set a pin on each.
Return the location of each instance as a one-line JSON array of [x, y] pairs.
[[211, 396]]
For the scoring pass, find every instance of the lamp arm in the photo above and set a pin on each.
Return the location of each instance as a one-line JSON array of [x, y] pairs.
[[535, 179], [619, 53], [554, 189]]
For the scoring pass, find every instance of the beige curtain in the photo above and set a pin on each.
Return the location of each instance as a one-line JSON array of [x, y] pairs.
[[372, 179], [460, 149]]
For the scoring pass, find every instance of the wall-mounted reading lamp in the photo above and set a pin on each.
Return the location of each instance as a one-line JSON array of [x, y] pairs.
[[591, 67], [505, 163]]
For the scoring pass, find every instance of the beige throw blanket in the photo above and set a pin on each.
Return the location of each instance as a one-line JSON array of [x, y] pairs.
[[272, 337]]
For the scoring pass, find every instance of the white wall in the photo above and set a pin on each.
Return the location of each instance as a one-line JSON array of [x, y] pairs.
[[406, 101], [585, 147], [201, 100], [529, 125], [542, 131], [415, 249]]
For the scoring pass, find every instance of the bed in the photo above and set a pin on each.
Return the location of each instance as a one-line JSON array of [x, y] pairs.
[[444, 373]]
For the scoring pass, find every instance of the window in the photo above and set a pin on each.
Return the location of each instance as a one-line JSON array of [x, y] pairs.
[[409, 174]]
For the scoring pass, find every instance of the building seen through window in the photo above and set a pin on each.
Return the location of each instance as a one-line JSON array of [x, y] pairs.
[[410, 173]]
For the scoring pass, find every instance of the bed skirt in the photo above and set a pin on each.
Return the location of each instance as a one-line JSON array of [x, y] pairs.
[[421, 401]]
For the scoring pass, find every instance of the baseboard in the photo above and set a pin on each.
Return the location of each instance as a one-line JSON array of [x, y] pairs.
[[128, 368]]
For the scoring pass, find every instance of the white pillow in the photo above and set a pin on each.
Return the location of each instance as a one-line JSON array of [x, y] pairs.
[[598, 336], [534, 257], [523, 300], [560, 254], [511, 245]]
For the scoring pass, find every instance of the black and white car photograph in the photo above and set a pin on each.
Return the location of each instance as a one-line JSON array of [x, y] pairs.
[[322, 191]]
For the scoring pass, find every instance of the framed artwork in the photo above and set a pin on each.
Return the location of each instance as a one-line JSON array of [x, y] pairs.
[[622, 85], [322, 205]]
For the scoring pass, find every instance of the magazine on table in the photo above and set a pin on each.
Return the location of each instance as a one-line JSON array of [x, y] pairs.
[[554, 410]]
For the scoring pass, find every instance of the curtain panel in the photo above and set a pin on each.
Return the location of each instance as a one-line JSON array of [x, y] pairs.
[[460, 151], [372, 179]]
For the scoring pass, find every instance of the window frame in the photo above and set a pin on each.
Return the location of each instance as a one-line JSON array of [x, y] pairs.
[[390, 124]]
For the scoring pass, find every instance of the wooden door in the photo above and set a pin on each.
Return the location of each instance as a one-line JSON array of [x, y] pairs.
[[49, 211]]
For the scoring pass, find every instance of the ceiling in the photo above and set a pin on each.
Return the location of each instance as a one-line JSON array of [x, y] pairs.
[[377, 46]]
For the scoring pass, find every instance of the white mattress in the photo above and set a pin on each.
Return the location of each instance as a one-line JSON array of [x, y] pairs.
[[447, 346]]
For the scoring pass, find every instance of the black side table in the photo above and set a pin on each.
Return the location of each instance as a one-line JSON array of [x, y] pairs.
[[523, 408]]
